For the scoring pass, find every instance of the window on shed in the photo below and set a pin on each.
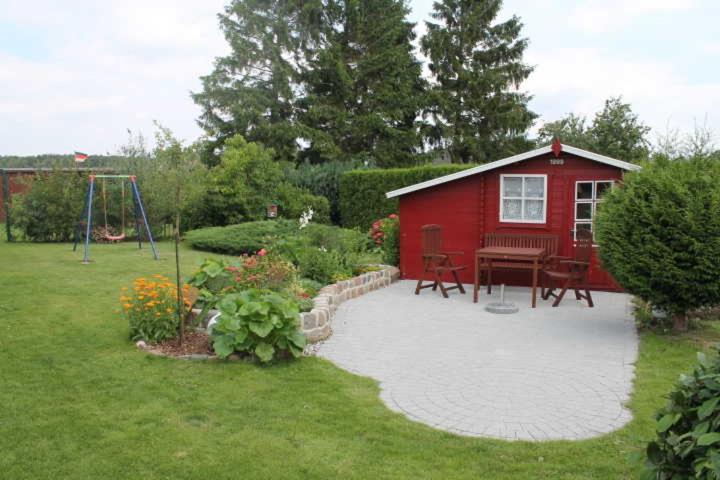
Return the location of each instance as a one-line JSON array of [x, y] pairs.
[[588, 195], [523, 198]]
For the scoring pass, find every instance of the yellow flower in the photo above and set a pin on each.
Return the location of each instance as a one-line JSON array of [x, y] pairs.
[[169, 310], [158, 314], [127, 305]]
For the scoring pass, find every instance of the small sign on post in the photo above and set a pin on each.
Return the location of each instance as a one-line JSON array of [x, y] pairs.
[[272, 210]]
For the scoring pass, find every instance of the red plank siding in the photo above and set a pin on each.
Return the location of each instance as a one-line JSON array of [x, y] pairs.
[[469, 207]]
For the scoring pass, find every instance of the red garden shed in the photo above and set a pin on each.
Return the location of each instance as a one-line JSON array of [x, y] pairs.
[[550, 190]]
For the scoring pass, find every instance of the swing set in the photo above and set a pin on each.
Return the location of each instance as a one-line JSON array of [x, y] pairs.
[[85, 224]]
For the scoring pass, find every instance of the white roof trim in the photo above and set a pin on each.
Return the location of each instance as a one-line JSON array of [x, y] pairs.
[[508, 161]]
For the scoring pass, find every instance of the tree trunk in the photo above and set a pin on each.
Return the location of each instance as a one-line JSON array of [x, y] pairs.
[[680, 322], [180, 300]]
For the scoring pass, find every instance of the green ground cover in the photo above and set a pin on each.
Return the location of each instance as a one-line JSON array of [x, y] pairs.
[[78, 401]]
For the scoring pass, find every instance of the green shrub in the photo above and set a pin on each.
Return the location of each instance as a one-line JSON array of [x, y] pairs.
[[323, 266], [322, 179], [362, 192], [49, 211], [259, 322], [342, 240], [247, 180], [294, 201], [243, 238], [688, 428], [659, 235]]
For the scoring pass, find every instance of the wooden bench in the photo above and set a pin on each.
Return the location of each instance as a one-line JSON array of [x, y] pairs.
[[549, 243]]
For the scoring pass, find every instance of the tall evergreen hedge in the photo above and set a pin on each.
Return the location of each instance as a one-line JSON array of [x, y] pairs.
[[362, 192]]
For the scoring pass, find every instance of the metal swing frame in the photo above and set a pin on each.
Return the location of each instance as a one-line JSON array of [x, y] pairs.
[[85, 222]]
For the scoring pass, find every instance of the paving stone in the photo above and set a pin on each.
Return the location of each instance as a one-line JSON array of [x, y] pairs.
[[541, 374]]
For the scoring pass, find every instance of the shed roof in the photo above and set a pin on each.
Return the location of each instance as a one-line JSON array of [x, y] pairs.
[[510, 160]]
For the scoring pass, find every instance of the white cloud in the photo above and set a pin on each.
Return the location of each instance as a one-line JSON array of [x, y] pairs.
[[712, 48], [602, 16], [580, 79], [107, 67]]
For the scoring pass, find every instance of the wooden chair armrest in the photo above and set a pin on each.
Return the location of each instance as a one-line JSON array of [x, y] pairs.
[[553, 260], [435, 256], [574, 262]]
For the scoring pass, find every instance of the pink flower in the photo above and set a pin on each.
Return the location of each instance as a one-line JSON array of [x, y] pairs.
[[376, 224], [262, 252], [393, 216]]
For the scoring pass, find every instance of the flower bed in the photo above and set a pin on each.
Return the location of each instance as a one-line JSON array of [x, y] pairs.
[[316, 324]]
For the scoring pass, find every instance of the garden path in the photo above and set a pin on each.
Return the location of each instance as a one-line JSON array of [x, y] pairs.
[[540, 374]]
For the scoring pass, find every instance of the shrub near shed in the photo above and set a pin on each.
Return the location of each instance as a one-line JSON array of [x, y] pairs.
[[659, 235]]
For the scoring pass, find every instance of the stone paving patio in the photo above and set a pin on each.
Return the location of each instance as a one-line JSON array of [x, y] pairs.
[[540, 374]]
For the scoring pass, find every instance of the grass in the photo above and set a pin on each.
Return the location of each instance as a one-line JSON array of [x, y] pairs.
[[78, 401]]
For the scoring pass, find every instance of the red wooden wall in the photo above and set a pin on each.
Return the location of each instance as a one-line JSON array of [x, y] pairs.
[[469, 207]]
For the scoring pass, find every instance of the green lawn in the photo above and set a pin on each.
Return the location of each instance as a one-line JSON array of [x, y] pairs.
[[77, 400]]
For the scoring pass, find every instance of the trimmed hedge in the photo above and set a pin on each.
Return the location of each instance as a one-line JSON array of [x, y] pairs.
[[238, 239], [362, 192]]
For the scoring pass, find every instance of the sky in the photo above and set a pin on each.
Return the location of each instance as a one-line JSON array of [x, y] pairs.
[[76, 75]]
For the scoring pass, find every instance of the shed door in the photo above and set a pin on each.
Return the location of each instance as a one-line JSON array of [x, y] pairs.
[[586, 199]]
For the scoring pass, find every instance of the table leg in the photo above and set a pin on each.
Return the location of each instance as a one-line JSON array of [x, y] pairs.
[[534, 281], [476, 284], [489, 272]]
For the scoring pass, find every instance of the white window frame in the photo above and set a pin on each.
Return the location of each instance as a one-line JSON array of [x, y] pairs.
[[593, 201], [523, 198]]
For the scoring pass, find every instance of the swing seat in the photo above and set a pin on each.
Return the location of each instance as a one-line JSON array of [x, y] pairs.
[[114, 238]]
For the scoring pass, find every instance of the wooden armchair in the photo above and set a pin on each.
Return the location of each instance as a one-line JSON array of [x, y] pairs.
[[437, 262], [571, 272]]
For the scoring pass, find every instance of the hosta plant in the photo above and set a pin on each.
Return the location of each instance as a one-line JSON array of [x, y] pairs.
[[259, 322], [688, 428]]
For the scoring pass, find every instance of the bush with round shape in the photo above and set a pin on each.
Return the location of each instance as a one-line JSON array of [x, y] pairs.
[[243, 238], [688, 427], [659, 235]]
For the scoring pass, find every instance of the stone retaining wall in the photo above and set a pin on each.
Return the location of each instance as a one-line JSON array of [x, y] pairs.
[[316, 324]]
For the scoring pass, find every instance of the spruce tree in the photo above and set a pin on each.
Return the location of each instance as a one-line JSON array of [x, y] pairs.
[[252, 91], [476, 65], [364, 86]]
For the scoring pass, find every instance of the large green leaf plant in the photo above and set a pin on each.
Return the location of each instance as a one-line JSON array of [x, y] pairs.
[[259, 322]]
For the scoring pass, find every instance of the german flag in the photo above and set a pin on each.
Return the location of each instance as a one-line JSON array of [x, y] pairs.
[[81, 157]]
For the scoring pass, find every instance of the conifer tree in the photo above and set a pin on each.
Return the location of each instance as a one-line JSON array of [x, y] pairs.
[[364, 86], [252, 91], [476, 64]]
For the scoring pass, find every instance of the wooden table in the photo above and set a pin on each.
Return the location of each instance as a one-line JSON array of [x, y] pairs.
[[526, 258]]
